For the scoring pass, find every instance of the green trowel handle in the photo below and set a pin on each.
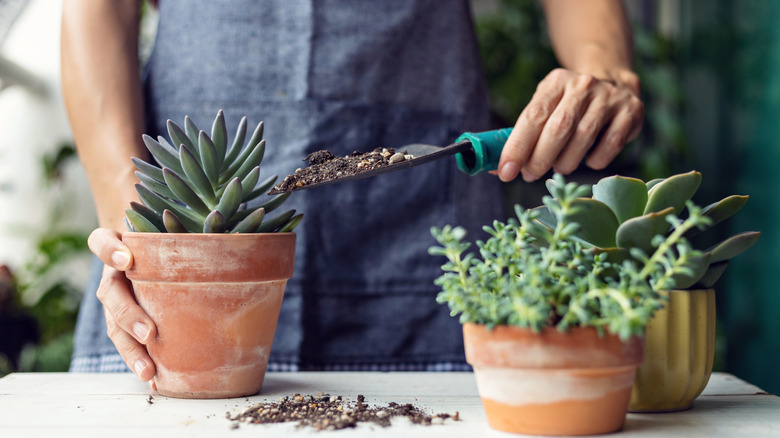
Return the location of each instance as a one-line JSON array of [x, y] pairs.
[[487, 150]]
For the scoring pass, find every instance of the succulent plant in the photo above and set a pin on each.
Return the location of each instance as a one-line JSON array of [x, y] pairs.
[[626, 214], [529, 275], [204, 185]]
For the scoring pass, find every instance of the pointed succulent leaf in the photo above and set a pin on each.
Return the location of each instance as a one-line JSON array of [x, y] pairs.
[[231, 199], [713, 273], [184, 192], [250, 223], [639, 231], [128, 225], [197, 177], [147, 169], [163, 141], [719, 211], [269, 225], [291, 224], [189, 218], [598, 224], [249, 182], [733, 246], [150, 215], [245, 164], [209, 156], [162, 154], [179, 137], [140, 223], [626, 197], [262, 188], [653, 182], [238, 143], [698, 266], [673, 192], [275, 202], [191, 129], [214, 223], [219, 137], [172, 222], [156, 186]]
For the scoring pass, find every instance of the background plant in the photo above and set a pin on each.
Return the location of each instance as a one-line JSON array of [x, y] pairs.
[[529, 275], [204, 185]]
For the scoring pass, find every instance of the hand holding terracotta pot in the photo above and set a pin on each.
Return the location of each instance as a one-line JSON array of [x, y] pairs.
[[128, 326]]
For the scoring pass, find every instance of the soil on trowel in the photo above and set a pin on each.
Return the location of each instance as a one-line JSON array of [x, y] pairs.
[[323, 412], [323, 166]]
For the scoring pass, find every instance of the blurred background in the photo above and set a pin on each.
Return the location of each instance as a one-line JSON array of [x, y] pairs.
[[710, 72]]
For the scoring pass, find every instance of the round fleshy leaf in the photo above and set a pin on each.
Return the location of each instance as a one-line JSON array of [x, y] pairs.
[[639, 231], [598, 224], [626, 197], [653, 182], [214, 223], [675, 191]]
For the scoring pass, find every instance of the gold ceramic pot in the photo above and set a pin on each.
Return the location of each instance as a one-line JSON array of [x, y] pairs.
[[679, 353]]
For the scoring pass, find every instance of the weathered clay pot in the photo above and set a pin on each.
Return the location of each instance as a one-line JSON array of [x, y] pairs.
[[679, 353], [552, 383], [215, 300]]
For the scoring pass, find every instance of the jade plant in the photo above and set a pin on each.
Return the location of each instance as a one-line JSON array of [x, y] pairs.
[[531, 275], [625, 214], [204, 185]]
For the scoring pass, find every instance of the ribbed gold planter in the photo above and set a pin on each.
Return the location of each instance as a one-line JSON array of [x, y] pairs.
[[679, 352]]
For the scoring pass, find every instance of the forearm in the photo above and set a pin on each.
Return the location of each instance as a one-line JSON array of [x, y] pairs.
[[102, 92], [594, 37]]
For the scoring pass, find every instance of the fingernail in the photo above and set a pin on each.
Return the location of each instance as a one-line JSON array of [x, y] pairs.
[[508, 171], [141, 331], [120, 258], [139, 366]]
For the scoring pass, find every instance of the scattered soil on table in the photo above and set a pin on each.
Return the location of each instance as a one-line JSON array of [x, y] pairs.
[[323, 412], [324, 166]]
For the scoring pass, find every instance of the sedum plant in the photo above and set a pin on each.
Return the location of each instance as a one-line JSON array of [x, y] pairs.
[[626, 214], [529, 275], [204, 184]]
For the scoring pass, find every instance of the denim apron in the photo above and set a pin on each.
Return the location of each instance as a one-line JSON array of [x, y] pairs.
[[341, 75]]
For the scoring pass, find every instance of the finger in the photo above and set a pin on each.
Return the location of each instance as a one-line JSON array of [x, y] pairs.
[[612, 142], [133, 353], [560, 127], [107, 245], [115, 292], [525, 134], [583, 138]]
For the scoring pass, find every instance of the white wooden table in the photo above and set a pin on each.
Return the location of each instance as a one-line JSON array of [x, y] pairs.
[[116, 405]]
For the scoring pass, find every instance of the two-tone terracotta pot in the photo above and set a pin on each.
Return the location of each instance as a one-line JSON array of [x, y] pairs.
[[679, 353], [552, 383], [215, 300]]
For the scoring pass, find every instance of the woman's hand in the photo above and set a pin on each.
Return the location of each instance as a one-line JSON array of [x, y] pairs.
[[128, 326], [572, 115]]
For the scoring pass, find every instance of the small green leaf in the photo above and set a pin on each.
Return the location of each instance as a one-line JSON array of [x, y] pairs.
[[149, 214], [140, 223], [147, 169], [191, 129], [639, 231], [214, 223], [626, 197], [733, 246], [231, 199], [275, 202], [162, 154], [291, 224], [209, 156], [179, 137], [172, 222], [184, 192], [673, 192], [219, 138], [235, 149], [250, 223], [268, 226]]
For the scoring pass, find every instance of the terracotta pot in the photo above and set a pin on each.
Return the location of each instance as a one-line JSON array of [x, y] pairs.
[[679, 353], [552, 383], [215, 300]]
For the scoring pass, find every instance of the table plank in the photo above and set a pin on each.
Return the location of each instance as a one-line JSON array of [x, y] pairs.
[[115, 405]]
